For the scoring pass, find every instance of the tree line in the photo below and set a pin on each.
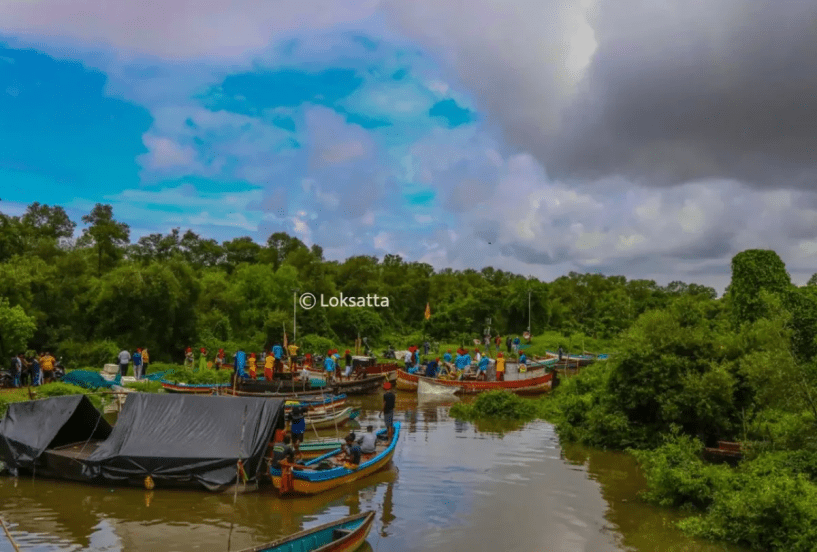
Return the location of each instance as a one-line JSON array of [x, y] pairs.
[[83, 297]]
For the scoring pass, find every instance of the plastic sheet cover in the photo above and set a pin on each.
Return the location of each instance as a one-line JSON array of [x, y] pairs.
[[187, 438], [31, 427]]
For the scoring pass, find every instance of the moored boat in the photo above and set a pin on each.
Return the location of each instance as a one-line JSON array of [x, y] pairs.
[[314, 480], [533, 382], [363, 386], [426, 386], [344, 535], [329, 419], [193, 388]]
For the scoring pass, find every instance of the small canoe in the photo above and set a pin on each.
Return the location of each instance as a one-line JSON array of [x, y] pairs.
[[533, 382], [344, 535], [364, 386], [429, 387], [314, 481], [330, 419]]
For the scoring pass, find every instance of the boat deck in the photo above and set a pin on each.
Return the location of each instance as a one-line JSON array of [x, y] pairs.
[[76, 451]]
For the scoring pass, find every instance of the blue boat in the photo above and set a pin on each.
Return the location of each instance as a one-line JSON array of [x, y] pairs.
[[343, 535], [313, 480]]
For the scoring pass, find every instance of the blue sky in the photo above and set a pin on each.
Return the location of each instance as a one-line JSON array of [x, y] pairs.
[[537, 140]]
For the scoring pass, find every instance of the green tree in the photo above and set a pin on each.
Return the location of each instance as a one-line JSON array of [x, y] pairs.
[[16, 330], [755, 270], [108, 236]]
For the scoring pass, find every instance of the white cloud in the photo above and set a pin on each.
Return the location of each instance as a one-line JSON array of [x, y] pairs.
[[177, 30], [164, 153]]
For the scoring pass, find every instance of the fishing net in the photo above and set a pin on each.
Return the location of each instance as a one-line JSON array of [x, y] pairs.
[[90, 380], [158, 376]]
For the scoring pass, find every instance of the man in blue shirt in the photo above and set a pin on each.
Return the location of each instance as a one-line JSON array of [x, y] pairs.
[[431, 368], [483, 368], [240, 362], [137, 364], [278, 353], [523, 363], [329, 365]]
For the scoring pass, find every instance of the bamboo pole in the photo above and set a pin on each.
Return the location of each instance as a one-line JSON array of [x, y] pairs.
[[8, 535]]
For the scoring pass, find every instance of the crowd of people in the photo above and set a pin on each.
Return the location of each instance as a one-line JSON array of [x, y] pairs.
[[33, 369]]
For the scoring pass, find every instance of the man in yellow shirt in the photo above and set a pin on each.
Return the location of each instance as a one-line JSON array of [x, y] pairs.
[[500, 367], [251, 364], [292, 349], [269, 364], [47, 365]]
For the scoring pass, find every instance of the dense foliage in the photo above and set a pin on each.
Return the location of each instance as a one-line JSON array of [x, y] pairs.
[[500, 405], [91, 296]]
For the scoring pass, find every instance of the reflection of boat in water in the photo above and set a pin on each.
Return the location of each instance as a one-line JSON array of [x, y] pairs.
[[316, 480], [343, 535]]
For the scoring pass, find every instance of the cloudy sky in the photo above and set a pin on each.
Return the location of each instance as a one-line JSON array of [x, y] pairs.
[[646, 138]]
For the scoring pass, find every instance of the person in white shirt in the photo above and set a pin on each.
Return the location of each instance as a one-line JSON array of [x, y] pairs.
[[368, 441], [124, 361]]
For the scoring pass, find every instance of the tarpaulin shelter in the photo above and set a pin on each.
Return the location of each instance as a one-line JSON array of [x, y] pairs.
[[31, 427], [183, 439]]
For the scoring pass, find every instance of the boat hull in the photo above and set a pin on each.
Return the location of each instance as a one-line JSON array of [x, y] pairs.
[[318, 482], [332, 420], [526, 386], [201, 389], [320, 539]]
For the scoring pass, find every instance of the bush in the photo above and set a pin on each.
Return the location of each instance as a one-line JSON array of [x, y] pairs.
[[93, 353], [58, 389], [497, 405], [315, 344], [146, 386], [201, 377], [676, 475]]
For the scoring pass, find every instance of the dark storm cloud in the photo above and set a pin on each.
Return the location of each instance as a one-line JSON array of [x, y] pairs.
[[679, 91]]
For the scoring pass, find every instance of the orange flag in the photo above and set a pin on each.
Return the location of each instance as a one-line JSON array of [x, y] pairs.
[[428, 311]]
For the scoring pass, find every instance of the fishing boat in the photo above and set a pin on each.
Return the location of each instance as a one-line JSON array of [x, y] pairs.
[[343, 535], [315, 480], [533, 382], [330, 419], [317, 404], [193, 388], [313, 449], [363, 386], [426, 386]]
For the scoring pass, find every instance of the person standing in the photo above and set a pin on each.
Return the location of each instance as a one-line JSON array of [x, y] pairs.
[[498, 342], [17, 369], [298, 427], [561, 352], [188, 358], [426, 347], [329, 366], [509, 343], [408, 360], [292, 349], [523, 363], [269, 366], [278, 353], [239, 363], [388, 409], [477, 356], [137, 364], [482, 365], [145, 361], [348, 358], [47, 367], [516, 343], [36, 371], [124, 361], [203, 359], [500, 367], [252, 366]]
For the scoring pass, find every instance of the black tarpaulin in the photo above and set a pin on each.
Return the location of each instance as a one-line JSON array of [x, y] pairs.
[[187, 438], [31, 427]]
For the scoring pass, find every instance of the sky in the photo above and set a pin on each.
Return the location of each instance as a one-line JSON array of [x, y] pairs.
[[650, 139]]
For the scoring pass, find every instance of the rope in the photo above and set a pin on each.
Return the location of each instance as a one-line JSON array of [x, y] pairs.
[[8, 535]]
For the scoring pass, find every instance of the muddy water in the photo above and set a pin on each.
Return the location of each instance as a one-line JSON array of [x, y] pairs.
[[452, 486]]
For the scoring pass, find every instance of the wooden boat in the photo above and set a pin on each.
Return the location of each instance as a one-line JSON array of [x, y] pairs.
[[344, 535], [364, 386], [390, 369], [330, 419], [426, 386], [313, 481], [727, 451], [315, 404], [536, 381], [194, 389], [313, 449]]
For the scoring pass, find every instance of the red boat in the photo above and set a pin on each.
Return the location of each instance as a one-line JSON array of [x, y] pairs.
[[533, 382]]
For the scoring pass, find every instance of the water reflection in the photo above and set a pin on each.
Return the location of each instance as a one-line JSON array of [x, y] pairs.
[[452, 486]]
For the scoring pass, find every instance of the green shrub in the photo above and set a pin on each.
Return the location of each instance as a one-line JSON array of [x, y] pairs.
[[93, 353], [497, 405], [58, 389], [201, 377], [315, 344], [676, 475], [146, 386]]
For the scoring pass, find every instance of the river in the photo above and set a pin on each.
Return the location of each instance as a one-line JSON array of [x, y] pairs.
[[452, 486]]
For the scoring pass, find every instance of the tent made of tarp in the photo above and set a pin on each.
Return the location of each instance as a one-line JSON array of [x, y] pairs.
[[31, 427], [187, 439]]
